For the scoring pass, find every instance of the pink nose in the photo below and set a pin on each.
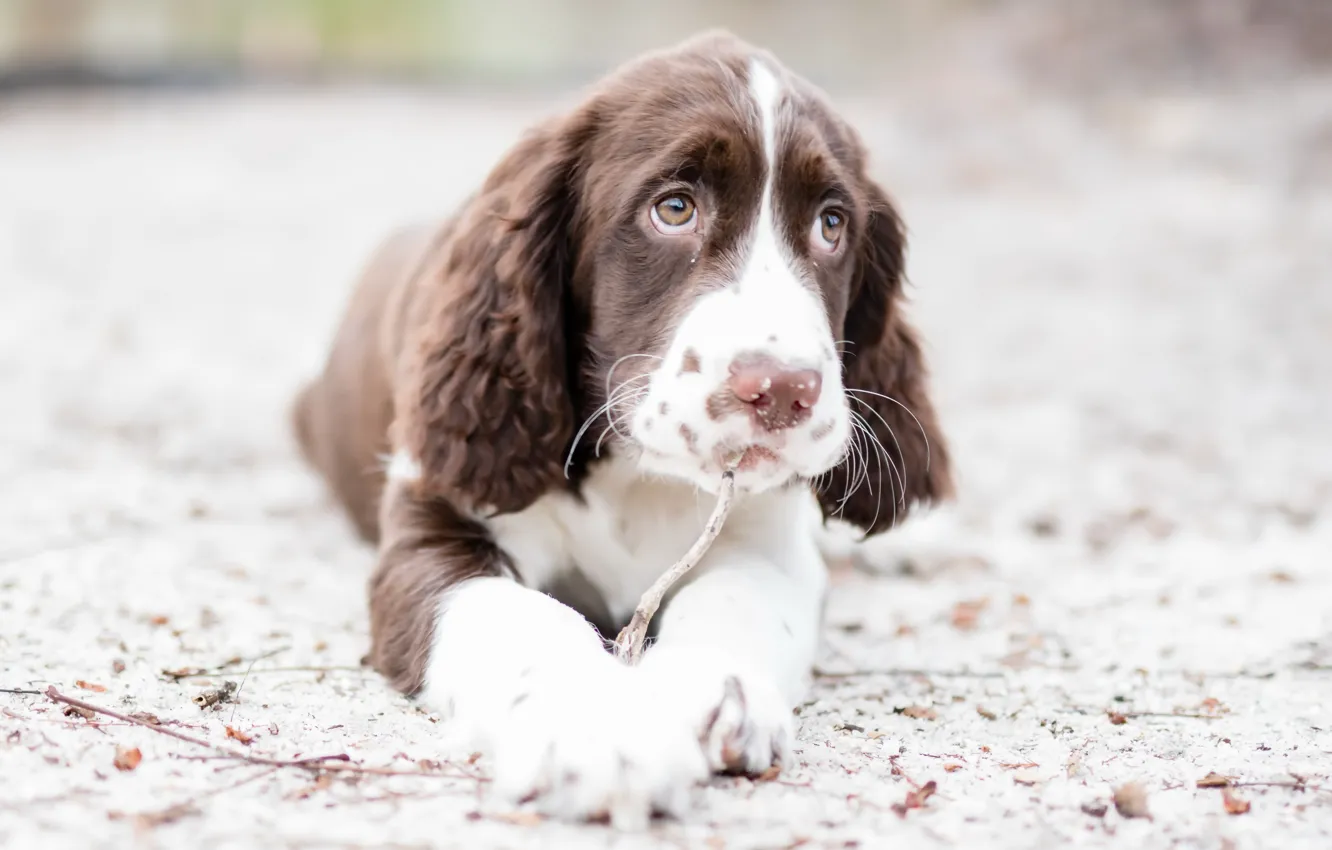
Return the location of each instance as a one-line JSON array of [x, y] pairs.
[[776, 395]]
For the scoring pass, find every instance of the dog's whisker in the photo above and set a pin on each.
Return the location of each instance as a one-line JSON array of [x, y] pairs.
[[925, 436], [899, 471]]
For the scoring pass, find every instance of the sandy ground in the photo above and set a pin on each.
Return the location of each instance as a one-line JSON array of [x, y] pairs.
[[1129, 308]]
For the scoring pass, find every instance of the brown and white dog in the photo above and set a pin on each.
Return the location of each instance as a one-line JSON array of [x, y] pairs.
[[534, 401]]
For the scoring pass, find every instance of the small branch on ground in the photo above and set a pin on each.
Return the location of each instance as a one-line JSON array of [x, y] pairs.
[[629, 643], [337, 762], [20, 692], [820, 673], [178, 675]]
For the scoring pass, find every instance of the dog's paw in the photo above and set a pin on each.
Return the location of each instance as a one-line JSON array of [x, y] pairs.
[[595, 743], [739, 717]]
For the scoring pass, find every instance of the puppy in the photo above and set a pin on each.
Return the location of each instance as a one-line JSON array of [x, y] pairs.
[[529, 406]]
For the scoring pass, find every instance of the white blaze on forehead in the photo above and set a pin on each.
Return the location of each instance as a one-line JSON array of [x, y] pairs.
[[766, 252]]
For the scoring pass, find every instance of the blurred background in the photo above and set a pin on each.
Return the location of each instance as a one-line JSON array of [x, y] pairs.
[[530, 42]]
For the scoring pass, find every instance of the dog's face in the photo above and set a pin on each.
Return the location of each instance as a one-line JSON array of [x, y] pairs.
[[711, 277], [725, 207]]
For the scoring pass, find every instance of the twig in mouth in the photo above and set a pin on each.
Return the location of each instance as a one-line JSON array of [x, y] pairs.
[[629, 643]]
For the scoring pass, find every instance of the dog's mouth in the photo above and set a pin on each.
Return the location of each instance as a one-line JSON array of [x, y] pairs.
[[747, 458]]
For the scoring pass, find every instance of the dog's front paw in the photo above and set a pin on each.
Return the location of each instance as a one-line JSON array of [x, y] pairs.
[[595, 743], [741, 720]]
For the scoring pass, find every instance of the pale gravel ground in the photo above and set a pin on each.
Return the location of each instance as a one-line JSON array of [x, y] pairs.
[[1129, 309]]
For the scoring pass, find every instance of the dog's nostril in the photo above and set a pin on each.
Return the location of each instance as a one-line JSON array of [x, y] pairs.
[[777, 394]]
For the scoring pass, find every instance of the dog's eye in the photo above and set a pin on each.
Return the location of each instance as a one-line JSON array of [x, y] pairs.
[[675, 214], [828, 229]]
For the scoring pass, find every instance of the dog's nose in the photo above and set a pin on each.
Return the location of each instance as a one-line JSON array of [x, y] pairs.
[[777, 395]]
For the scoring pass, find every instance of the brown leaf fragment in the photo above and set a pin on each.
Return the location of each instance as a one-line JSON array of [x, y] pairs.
[[920, 712], [147, 717], [76, 711], [127, 758], [519, 818], [429, 764], [1116, 719], [952, 767], [117, 666], [1131, 801], [770, 774], [158, 620], [89, 686], [916, 799], [1212, 705], [1095, 808], [986, 713], [967, 612], [1234, 805], [1214, 780], [237, 735], [183, 673]]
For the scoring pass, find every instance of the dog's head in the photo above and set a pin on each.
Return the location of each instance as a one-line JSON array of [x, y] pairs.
[[692, 269]]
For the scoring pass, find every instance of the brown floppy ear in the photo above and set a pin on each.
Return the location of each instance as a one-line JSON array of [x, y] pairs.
[[483, 399], [885, 377]]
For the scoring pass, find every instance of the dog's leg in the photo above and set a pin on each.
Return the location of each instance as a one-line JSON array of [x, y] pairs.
[[524, 677], [737, 643]]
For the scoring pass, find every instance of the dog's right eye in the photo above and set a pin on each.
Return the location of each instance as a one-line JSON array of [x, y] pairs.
[[675, 214]]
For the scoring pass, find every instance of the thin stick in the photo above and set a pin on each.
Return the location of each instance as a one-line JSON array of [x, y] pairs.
[[213, 674], [20, 692], [629, 643], [338, 762]]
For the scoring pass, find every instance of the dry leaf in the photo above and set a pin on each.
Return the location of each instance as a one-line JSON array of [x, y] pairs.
[[1234, 805], [986, 713], [1022, 600], [1116, 719], [517, 818], [117, 666], [1214, 780], [159, 620], [965, 614], [1027, 776], [237, 735], [952, 767], [875, 735], [916, 799], [770, 774], [76, 711], [429, 764], [1131, 801], [1095, 808], [183, 672], [146, 717], [127, 758], [920, 712], [89, 686], [1212, 705]]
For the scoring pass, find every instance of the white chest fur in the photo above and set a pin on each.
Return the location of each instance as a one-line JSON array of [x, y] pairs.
[[628, 529]]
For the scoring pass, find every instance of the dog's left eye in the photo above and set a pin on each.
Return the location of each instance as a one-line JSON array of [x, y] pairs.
[[828, 227], [675, 214]]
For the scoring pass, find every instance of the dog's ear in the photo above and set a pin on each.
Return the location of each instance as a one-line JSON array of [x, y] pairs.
[[885, 377], [483, 400]]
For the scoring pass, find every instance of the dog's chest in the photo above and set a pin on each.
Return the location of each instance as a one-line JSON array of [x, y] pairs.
[[623, 534]]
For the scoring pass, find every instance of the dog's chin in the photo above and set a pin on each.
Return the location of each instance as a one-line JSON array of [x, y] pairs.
[[756, 469]]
